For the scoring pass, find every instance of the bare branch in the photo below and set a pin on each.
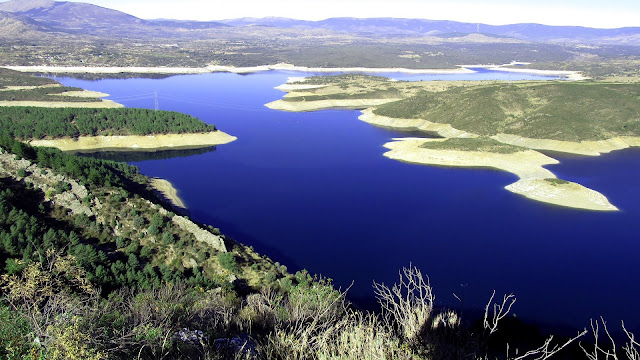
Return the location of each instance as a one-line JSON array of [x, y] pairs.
[[499, 311], [408, 303], [632, 348], [597, 349], [546, 351]]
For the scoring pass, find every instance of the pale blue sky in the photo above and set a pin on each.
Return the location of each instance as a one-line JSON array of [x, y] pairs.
[[606, 14]]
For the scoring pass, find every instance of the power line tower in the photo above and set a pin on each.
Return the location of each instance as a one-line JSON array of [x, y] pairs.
[[155, 97]]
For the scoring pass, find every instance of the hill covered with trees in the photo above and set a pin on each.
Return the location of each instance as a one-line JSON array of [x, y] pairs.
[[37, 123]]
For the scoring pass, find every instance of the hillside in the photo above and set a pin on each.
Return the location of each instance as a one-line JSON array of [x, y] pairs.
[[502, 125], [79, 34], [382, 27]]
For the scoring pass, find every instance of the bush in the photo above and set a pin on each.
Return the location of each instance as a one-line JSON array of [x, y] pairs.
[[167, 238], [15, 342], [138, 222], [153, 230], [228, 261], [62, 186]]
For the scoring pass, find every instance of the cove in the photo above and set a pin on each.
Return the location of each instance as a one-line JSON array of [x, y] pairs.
[[312, 190]]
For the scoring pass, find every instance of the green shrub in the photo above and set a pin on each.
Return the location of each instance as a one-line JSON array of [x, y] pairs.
[[138, 222], [228, 261], [15, 342], [153, 230], [167, 238]]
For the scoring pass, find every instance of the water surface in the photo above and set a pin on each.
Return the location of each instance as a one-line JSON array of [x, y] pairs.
[[312, 190]]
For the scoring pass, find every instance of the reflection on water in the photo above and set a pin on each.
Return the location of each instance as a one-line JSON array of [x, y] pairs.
[[130, 156]]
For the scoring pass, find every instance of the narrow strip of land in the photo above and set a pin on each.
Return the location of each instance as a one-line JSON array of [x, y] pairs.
[[134, 142], [170, 193]]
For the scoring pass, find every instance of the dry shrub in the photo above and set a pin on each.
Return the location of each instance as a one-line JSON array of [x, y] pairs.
[[300, 321], [408, 304], [358, 336]]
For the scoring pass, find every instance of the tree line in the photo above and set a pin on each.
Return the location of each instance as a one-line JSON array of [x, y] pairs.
[[26, 123]]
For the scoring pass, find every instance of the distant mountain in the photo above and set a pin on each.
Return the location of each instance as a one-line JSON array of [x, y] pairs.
[[25, 5], [86, 19], [186, 24], [420, 27], [14, 26], [71, 16], [95, 20]]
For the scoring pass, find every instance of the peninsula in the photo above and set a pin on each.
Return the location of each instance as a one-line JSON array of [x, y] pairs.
[[501, 125], [45, 113]]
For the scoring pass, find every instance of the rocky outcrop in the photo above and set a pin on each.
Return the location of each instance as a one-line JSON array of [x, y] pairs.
[[45, 180], [200, 234]]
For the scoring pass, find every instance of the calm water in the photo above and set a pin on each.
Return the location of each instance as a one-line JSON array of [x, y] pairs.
[[312, 190]]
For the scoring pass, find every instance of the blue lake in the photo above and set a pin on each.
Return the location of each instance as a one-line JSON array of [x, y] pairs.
[[312, 190]]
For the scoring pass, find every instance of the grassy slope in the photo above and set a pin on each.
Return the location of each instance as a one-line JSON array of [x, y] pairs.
[[559, 110]]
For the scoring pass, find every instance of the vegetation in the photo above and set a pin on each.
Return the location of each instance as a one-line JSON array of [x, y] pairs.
[[16, 78], [556, 182], [616, 67], [90, 268], [37, 123], [88, 170], [482, 144], [557, 110], [118, 278], [49, 93]]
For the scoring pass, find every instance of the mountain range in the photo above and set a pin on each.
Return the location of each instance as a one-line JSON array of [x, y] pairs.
[[20, 18]]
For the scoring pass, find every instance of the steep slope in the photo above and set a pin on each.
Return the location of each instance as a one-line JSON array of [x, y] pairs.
[[25, 5], [13, 26]]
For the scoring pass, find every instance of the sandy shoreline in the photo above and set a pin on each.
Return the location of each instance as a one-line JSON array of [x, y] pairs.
[[461, 69], [108, 70], [168, 191], [64, 104], [570, 75], [444, 130], [300, 106], [222, 68], [535, 181], [83, 94], [102, 103], [148, 143], [589, 148]]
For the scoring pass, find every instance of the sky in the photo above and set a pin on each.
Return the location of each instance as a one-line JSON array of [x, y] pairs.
[[592, 13]]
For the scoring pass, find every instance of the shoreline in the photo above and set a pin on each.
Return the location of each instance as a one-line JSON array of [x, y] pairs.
[[460, 69], [165, 187], [135, 142], [302, 106], [586, 148], [103, 104], [535, 182]]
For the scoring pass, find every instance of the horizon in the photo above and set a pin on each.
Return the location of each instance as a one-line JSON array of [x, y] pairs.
[[587, 13]]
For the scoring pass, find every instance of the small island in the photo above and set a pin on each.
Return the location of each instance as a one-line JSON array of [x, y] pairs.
[[496, 124]]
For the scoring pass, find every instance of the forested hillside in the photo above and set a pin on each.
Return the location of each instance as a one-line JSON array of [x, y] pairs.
[[37, 123], [90, 268]]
